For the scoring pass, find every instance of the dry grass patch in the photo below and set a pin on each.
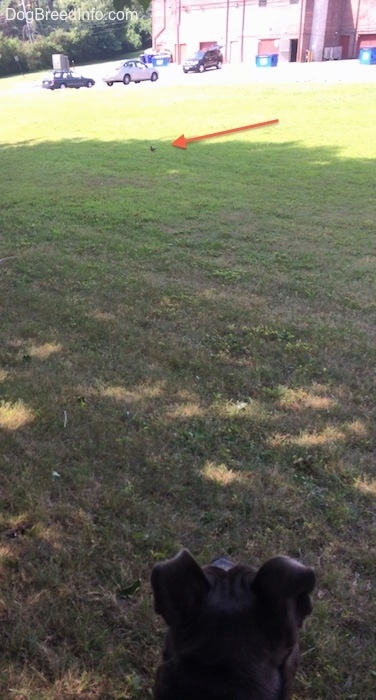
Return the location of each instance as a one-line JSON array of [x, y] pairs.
[[183, 364]]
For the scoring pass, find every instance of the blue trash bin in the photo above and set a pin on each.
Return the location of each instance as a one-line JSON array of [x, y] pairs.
[[159, 61], [367, 56], [267, 60], [148, 57]]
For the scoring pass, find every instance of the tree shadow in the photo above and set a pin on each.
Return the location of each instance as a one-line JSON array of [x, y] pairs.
[[187, 360]]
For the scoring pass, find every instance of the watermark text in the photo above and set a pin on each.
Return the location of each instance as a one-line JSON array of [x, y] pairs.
[[40, 14]]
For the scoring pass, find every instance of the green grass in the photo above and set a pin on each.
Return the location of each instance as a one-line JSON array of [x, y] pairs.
[[187, 359]]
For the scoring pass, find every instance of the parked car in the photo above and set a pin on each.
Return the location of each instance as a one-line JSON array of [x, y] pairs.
[[131, 70], [201, 60], [60, 79]]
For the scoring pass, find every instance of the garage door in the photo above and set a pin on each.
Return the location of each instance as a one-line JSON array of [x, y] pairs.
[[268, 46], [365, 41], [206, 45]]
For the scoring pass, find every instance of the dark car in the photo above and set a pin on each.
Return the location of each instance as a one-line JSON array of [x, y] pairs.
[[201, 60], [61, 79]]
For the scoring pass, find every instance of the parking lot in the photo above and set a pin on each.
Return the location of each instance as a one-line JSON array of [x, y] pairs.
[[350, 71], [239, 73]]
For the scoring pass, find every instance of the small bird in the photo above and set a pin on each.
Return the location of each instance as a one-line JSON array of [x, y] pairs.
[[153, 148]]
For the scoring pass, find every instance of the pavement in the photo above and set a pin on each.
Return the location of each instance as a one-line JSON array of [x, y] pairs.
[[332, 72], [350, 71]]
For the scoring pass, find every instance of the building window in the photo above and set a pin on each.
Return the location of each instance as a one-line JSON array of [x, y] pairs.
[[262, 3], [294, 2]]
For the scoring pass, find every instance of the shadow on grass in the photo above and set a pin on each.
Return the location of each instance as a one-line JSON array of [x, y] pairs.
[[186, 360]]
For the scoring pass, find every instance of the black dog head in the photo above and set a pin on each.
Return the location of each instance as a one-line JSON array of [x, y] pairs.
[[232, 630]]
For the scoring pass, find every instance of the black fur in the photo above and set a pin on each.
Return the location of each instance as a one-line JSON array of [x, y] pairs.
[[232, 630]]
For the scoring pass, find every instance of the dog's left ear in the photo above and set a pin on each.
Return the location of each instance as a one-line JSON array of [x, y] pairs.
[[282, 578], [179, 587]]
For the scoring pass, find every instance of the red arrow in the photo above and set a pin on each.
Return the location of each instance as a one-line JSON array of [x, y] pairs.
[[181, 142]]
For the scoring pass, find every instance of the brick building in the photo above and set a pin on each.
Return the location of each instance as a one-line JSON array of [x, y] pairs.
[[327, 29]]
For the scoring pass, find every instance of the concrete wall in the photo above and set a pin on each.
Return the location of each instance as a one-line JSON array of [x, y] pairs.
[[317, 41], [367, 18], [239, 25], [223, 22]]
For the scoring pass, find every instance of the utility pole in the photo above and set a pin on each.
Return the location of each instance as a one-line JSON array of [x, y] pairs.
[[29, 31]]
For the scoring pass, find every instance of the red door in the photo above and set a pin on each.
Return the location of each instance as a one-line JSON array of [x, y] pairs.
[[180, 53], [268, 46], [206, 45], [344, 42]]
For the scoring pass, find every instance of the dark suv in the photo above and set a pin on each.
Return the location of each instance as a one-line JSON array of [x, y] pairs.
[[201, 60]]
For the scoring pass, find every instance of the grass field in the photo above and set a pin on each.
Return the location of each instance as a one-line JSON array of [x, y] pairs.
[[187, 358]]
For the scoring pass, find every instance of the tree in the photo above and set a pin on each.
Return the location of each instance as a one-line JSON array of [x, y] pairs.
[[75, 29]]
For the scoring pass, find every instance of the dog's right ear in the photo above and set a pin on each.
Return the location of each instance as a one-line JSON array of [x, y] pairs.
[[179, 587], [282, 578]]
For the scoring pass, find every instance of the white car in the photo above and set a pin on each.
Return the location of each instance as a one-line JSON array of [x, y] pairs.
[[133, 71]]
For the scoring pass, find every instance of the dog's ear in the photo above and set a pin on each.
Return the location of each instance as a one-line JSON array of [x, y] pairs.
[[281, 578], [179, 587]]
